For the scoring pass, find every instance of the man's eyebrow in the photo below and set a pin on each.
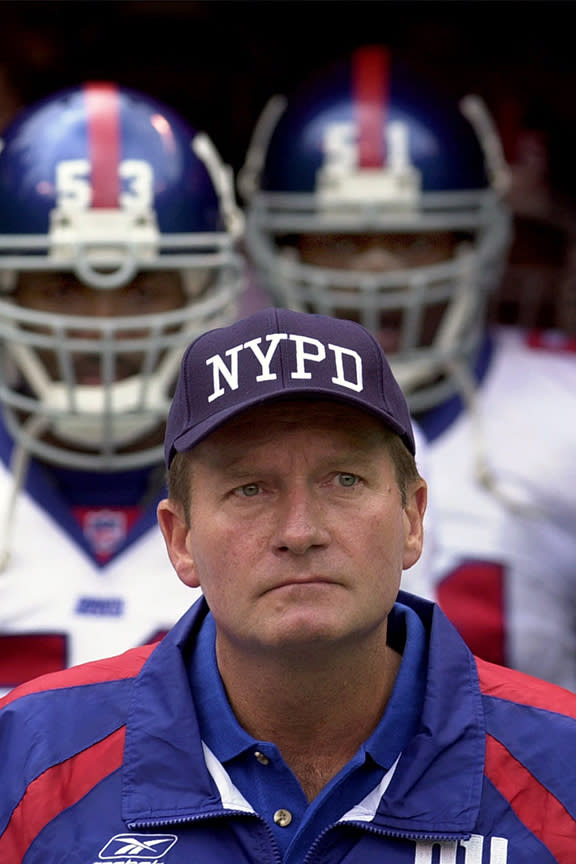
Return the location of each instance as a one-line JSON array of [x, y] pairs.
[[239, 464]]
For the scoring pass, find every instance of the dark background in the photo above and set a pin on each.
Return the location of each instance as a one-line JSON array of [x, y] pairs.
[[218, 61]]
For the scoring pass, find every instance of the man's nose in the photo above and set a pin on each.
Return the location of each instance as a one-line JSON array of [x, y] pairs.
[[97, 306], [104, 304], [301, 523], [376, 259]]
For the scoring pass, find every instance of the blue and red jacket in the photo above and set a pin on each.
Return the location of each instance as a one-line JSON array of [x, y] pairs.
[[103, 763]]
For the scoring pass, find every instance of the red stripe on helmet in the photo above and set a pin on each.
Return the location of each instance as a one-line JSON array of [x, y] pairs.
[[102, 106], [56, 789], [370, 87]]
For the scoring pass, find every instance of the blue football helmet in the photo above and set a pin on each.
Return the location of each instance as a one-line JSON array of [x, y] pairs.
[[368, 151], [105, 183]]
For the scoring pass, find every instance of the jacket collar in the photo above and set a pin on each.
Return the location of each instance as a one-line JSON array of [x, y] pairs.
[[436, 786]]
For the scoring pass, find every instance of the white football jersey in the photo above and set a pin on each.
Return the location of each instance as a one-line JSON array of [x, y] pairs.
[[60, 605], [506, 548]]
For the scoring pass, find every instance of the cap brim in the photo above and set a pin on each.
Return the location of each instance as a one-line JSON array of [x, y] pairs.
[[188, 440]]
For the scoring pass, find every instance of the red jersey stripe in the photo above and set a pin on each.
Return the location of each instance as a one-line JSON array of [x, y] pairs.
[[472, 596], [370, 88], [102, 106], [553, 341], [24, 656], [125, 665], [534, 805], [523, 689], [57, 789]]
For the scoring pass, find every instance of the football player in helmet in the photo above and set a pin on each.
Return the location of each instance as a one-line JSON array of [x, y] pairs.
[[118, 233], [369, 198], [371, 195]]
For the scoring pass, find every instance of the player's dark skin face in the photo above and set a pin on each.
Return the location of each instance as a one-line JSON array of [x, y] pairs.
[[62, 296], [383, 253], [62, 293], [376, 252]]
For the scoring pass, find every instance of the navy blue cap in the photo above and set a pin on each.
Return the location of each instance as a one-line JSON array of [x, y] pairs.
[[274, 354]]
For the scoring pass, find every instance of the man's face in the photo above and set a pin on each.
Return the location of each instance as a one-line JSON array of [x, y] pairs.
[[375, 253], [297, 534], [383, 254], [64, 295]]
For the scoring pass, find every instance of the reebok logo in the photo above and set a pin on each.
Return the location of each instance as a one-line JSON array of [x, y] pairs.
[[137, 847]]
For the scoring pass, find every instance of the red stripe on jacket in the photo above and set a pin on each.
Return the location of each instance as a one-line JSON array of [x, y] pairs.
[[535, 806], [102, 105], [514, 686], [57, 789], [370, 84]]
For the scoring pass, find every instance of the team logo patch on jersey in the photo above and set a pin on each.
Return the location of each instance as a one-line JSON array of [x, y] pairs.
[[137, 847], [105, 530]]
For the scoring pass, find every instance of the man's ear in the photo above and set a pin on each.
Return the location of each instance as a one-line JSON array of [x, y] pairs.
[[413, 519], [176, 536]]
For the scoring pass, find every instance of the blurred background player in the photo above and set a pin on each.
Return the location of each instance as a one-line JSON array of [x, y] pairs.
[[118, 229], [373, 196]]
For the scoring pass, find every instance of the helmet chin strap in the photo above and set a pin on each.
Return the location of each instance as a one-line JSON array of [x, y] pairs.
[[115, 417]]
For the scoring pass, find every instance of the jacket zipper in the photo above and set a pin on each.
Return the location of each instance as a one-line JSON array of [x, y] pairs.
[[217, 814], [312, 853], [385, 832]]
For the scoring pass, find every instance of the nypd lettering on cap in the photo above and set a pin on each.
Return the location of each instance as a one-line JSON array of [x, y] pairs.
[[308, 353], [279, 353]]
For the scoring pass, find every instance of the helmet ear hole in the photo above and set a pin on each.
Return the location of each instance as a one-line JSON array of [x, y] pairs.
[[98, 222]]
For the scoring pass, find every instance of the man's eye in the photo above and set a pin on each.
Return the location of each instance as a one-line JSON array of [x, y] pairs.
[[61, 289], [421, 243], [344, 245], [347, 479], [249, 490]]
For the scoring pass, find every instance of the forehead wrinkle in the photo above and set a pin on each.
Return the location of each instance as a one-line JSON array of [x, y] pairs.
[[236, 443]]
